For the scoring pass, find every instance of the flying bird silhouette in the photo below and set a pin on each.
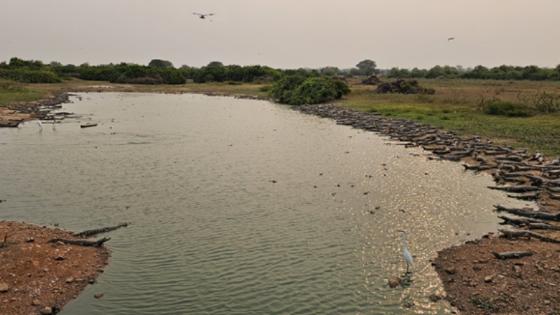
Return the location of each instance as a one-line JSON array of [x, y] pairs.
[[450, 39], [203, 16]]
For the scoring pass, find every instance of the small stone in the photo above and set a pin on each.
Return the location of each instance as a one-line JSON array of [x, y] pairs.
[[451, 270], [477, 268], [29, 240], [35, 302], [435, 297], [59, 257], [4, 287], [46, 311], [394, 282], [91, 281], [488, 279], [98, 295], [69, 280], [546, 302]]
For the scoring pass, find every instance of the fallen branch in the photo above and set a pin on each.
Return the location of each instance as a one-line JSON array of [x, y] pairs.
[[529, 213], [531, 224], [528, 234], [90, 233], [87, 243], [510, 255]]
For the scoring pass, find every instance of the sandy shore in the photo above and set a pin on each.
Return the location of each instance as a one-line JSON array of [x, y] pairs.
[[38, 277]]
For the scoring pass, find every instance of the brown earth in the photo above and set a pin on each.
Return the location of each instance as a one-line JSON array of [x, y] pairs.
[[37, 276], [477, 282]]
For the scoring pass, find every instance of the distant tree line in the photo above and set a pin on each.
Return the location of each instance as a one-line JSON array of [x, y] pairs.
[[503, 72], [158, 71]]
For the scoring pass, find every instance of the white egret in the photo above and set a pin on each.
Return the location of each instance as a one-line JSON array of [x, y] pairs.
[[40, 125], [406, 253]]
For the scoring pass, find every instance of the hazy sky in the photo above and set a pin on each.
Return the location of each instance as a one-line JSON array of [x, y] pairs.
[[284, 33]]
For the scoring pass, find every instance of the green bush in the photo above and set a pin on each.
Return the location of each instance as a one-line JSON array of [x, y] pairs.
[[30, 76], [298, 90], [503, 108]]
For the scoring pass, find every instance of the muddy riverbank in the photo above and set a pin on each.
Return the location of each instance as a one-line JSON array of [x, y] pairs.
[[38, 276], [476, 281], [14, 114]]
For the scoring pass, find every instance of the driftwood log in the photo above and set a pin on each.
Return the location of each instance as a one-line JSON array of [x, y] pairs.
[[515, 189], [86, 243], [529, 213], [531, 224], [528, 234], [94, 232], [511, 255]]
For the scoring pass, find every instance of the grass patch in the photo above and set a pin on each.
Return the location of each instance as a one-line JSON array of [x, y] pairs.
[[11, 92], [456, 106]]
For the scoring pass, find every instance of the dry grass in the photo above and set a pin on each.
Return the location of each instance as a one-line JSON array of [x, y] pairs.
[[456, 106]]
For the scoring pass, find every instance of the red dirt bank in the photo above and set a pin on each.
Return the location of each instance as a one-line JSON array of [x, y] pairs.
[[37, 276]]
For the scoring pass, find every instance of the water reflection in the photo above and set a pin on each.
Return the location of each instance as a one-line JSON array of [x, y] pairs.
[[241, 206]]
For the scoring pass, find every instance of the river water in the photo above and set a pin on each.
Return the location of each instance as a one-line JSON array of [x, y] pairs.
[[241, 206]]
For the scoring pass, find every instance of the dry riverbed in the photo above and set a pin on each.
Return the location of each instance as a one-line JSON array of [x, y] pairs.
[[38, 277]]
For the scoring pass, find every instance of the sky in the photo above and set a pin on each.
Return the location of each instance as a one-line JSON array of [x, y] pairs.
[[284, 33]]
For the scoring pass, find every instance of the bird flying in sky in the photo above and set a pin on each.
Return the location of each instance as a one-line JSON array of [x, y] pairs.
[[203, 15], [450, 39]]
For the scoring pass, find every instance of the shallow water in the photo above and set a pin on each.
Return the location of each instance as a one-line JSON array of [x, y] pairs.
[[212, 234]]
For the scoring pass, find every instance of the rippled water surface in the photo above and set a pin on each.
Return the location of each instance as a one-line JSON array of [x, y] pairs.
[[240, 206]]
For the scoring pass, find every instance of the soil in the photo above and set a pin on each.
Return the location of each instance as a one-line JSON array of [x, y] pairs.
[[36, 276], [477, 282]]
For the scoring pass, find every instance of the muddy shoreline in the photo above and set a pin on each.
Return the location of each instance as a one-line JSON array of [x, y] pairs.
[[475, 280], [14, 114], [40, 277]]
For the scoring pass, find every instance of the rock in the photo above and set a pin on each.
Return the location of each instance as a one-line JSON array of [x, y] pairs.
[[35, 302], [394, 282], [91, 281], [477, 268], [69, 280], [4, 287], [489, 278], [435, 297], [46, 311], [451, 270], [59, 257], [29, 240], [98, 295]]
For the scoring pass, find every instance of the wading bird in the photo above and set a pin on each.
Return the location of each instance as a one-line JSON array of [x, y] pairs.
[[406, 253], [203, 16], [40, 125]]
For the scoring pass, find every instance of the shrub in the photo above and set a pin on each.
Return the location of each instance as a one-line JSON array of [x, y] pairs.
[[30, 76], [503, 108], [403, 87], [298, 90]]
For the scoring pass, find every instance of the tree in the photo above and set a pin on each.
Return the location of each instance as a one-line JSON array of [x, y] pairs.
[[367, 67], [160, 63]]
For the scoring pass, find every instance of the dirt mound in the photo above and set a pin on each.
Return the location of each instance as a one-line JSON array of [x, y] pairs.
[[403, 87]]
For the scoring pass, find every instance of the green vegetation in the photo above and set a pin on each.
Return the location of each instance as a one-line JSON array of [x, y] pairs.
[[298, 90], [11, 92], [503, 72], [458, 105]]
